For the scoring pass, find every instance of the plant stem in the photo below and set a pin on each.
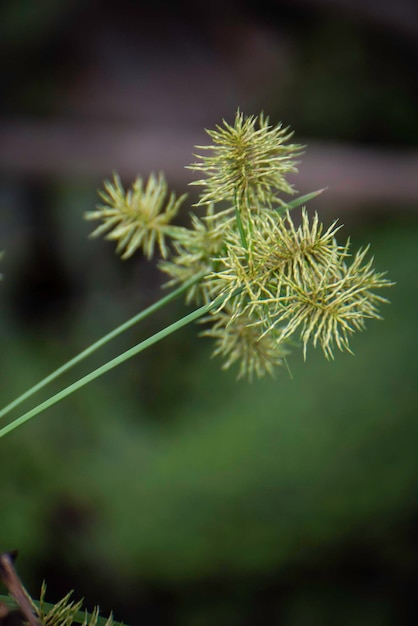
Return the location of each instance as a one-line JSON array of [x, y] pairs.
[[98, 344], [239, 221], [107, 367]]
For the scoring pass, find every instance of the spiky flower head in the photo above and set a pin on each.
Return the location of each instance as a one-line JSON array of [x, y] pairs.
[[297, 279], [138, 217], [278, 251], [328, 303], [239, 342], [195, 252], [66, 612], [265, 280], [250, 160], [282, 247]]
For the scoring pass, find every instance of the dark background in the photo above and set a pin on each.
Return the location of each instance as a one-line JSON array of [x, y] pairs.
[[167, 491]]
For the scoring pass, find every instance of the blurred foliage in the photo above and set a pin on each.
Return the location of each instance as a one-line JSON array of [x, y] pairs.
[[340, 76], [168, 492], [351, 82], [209, 479]]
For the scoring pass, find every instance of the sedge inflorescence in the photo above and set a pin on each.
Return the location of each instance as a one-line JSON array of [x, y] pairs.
[[247, 159], [272, 281], [137, 218]]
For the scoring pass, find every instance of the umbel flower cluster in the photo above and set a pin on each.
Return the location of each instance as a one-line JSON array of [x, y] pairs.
[[270, 281]]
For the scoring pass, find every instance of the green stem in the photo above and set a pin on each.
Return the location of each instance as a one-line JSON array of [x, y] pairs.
[[239, 222], [98, 344], [250, 223], [43, 406]]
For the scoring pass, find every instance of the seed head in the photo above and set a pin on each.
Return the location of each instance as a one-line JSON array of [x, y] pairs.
[[238, 341], [327, 309], [137, 218], [250, 160]]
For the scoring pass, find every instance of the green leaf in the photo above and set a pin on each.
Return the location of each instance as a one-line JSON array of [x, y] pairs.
[[303, 199]]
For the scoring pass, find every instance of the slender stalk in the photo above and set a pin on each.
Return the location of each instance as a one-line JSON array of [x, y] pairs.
[[239, 222], [250, 222], [98, 344], [128, 354]]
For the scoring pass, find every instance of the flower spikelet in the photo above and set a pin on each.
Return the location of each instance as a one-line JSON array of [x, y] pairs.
[[328, 309], [278, 251], [298, 279], [250, 160], [238, 276], [66, 612], [137, 218], [195, 252], [284, 251], [289, 249], [238, 341]]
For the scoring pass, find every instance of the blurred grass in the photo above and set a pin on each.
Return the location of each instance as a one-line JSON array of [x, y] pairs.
[[207, 477], [168, 483], [258, 475]]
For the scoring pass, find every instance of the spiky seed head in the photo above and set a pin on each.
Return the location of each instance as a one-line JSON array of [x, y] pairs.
[[239, 342], [327, 309], [138, 217], [195, 252], [66, 612], [298, 279], [250, 159]]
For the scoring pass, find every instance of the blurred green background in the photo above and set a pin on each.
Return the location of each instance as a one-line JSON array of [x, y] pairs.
[[167, 491]]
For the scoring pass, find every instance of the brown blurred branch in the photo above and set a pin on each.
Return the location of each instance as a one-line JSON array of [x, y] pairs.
[[352, 173], [400, 15], [12, 581]]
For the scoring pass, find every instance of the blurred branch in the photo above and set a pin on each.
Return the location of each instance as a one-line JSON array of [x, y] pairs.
[[14, 586], [351, 173], [401, 15]]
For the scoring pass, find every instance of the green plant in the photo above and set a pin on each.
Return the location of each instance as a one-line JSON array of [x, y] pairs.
[[64, 613], [260, 283]]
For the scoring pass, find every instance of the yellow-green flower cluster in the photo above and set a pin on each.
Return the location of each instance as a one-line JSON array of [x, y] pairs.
[[271, 279], [299, 279], [66, 612], [278, 280], [137, 218], [239, 341], [250, 161], [195, 252]]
